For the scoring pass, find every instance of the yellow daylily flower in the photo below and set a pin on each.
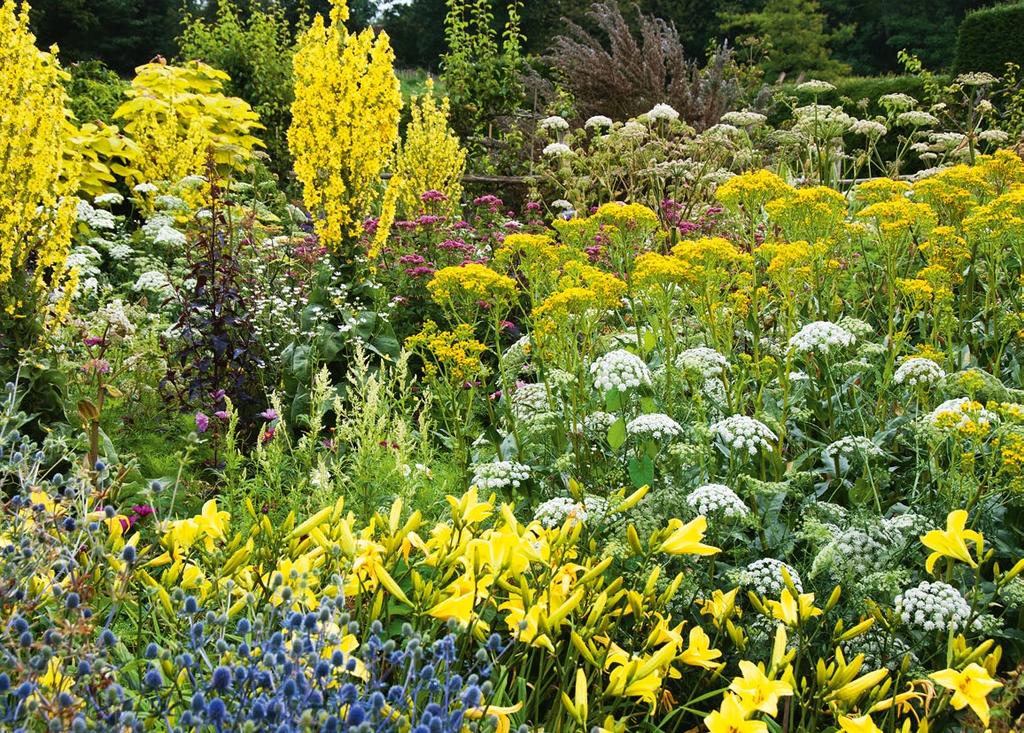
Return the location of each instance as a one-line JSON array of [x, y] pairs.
[[499, 713], [685, 539], [791, 611], [731, 717], [624, 681], [757, 691], [721, 606], [463, 594], [699, 652], [970, 687], [863, 724], [468, 509], [212, 523], [952, 541]]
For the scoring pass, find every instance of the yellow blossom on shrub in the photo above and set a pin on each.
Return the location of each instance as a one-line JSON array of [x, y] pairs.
[[344, 123], [430, 158], [713, 253], [40, 177]]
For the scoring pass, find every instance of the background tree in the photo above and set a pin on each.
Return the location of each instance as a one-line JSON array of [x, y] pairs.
[[795, 34], [121, 33]]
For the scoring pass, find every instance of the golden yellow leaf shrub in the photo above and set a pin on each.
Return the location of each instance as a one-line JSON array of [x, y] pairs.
[[344, 123], [40, 176], [431, 158], [179, 116]]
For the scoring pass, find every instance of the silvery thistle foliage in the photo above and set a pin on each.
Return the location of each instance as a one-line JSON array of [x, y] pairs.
[[764, 577], [716, 499], [933, 606], [620, 370]]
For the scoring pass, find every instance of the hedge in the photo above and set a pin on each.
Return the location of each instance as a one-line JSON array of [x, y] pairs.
[[990, 38]]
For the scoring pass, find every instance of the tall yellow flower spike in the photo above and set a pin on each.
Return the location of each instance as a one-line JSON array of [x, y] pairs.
[[40, 177], [344, 123], [952, 541]]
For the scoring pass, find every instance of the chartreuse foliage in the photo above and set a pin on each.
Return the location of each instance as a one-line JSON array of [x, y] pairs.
[[40, 176], [180, 119], [344, 124]]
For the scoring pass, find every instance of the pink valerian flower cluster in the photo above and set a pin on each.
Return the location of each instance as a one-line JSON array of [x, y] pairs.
[[491, 201], [432, 196], [673, 213]]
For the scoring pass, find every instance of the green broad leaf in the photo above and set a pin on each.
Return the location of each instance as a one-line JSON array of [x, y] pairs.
[[617, 434], [613, 400], [641, 471], [649, 341], [647, 405]]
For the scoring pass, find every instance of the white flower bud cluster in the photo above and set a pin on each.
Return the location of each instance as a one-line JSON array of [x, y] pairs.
[[743, 434], [906, 526], [850, 450], [654, 426], [500, 475], [821, 337], [598, 122], [918, 371], [663, 111], [852, 553], [596, 424], [553, 123], [620, 370], [554, 512], [933, 606], [717, 499], [815, 86], [557, 150], [860, 329], [880, 649], [744, 119], [530, 400], [869, 128], [94, 218], [701, 360], [764, 577]]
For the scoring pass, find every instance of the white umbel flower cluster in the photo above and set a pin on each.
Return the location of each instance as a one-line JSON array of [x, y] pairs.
[[557, 150], [855, 449], [620, 370], [108, 199], [743, 434], [530, 400], [94, 218], [815, 86], [702, 360], [599, 122], [500, 475], [654, 426], [596, 424], [554, 122], [852, 553], [663, 111], [152, 281], [821, 337], [933, 606], [918, 371], [717, 499], [764, 577], [554, 512], [956, 413], [744, 119]]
